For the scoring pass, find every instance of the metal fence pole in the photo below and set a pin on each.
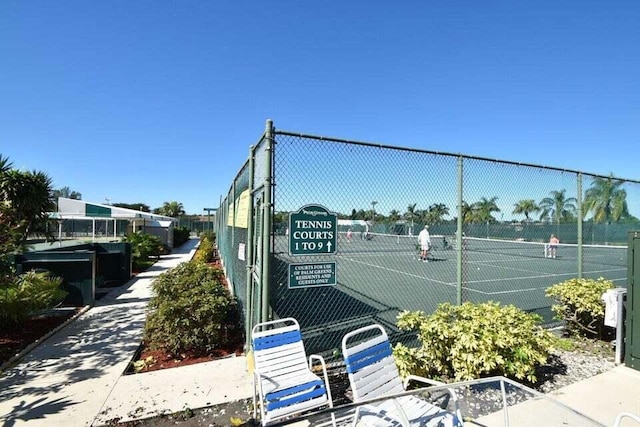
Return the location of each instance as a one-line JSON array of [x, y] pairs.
[[459, 236], [266, 230], [249, 294], [579, 219]]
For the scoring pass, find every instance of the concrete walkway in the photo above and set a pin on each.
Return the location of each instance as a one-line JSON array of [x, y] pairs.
[[75, 377]]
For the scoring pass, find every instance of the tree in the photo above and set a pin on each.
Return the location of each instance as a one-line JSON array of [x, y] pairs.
[[134, 206], [606, 200], [67, 193], [526, 206], [558, 207], [27, 200], [394, 215], [468, 213], [436, 212], [485, 208], [173, 209]]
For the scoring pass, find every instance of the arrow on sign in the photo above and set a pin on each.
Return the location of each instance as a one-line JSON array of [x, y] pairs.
[[329, 246]]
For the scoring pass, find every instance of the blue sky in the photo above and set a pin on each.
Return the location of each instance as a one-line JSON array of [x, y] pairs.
[[152, 101]]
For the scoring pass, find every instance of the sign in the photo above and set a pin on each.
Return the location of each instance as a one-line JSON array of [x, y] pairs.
[[313, 274], [313, 230], [239, 211], [241, 252]]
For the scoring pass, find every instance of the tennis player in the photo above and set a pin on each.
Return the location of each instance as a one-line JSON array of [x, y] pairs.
[[553, 246], [425, 241]]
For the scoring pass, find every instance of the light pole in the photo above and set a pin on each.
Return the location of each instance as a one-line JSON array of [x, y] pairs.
[[209, 210], [373, 208]]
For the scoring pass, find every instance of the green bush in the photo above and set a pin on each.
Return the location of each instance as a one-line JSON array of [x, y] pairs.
[[580, 305], [474, 340], [23, 295], [180, 236], [143, 247], [211, 235], [206, 250], [192, 311]]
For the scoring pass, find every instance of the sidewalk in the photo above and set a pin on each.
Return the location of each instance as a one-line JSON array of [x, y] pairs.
[[603, 396], [75, 378]]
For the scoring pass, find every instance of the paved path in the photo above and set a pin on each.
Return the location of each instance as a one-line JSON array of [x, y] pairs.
[[75, 378]]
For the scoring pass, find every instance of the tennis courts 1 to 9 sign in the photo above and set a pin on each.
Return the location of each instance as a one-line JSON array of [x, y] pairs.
[[313, 230]]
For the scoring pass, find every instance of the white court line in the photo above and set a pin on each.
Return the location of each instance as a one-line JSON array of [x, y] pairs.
[[539, 276], [397, 271]]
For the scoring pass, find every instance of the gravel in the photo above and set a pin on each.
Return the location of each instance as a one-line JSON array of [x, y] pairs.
[[564, 368], [567, 367]]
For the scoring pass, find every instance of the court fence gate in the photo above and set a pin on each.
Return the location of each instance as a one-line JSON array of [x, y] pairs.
[[489, 222]]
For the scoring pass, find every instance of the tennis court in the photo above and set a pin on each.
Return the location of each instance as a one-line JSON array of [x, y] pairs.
[[380, 275]]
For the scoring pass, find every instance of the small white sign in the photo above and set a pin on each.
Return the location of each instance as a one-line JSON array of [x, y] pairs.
[[241, 255]]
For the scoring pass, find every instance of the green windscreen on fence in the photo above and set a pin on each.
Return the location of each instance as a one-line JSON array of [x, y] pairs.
[[489, 221]]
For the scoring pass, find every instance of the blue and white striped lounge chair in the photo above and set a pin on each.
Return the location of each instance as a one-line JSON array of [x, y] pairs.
[[284, 384], [373, 373]]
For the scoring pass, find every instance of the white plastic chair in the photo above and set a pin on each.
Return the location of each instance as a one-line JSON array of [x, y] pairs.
[[622, 415], [283, 382], [373, 373]]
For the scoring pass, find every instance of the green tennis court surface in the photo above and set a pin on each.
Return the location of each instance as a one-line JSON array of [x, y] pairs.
[[379, 276]]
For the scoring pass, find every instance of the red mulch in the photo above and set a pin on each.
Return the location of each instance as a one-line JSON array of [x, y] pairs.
[[162, 360], [15, 339]]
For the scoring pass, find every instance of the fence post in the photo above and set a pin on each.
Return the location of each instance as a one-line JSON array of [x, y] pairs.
[[266, 223], [459, 236], [579, 242], [249, 260]]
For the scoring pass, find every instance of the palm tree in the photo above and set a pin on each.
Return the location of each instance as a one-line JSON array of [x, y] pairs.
[[526, 206], [394, 215], [484, 209], [27, 197], [606, 200], [468, 213], [173, 209], [411, 213], [558, 207], [436, 212], [5, 167]]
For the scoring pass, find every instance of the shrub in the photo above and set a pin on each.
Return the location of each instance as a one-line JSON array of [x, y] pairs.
[[579, 304], [473, 340], [192, 311], [209, 234], [25, 294], [180, 236], [143, 247], [206, 250]]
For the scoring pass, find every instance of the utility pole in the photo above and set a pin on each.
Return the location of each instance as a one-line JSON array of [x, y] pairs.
[[373, 208], [209, 210]]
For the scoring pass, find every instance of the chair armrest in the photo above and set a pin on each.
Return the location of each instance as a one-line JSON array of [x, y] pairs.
[[364, 411], [434, 382], [621, 415], [417, 378], [320, 359]]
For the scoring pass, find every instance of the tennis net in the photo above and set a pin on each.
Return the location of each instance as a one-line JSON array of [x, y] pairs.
[[595, 254], [380, 242]]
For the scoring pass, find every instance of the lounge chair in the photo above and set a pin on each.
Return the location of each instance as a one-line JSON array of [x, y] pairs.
[[373, 373], [284, 383]]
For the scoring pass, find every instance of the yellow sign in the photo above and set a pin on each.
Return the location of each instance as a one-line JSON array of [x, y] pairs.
[[242, 211], [239, 211], [230, 216]]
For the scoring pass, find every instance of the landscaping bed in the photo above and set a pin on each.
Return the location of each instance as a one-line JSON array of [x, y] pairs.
[[15, 339]]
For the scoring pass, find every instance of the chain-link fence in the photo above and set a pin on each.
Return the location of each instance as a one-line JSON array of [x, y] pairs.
[[491, 225]]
